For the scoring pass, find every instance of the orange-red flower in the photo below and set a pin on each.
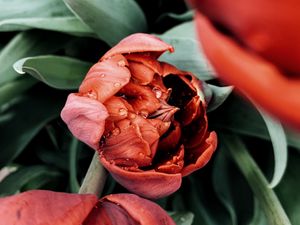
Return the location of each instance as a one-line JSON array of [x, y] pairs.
[[40, 207], [146, 118], [255, 46]]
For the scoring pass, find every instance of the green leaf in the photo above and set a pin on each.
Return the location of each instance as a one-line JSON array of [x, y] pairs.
[[182, 218], [67, 24], [56, 71], [188, 15], [111, 20], [258, 183], [26, 44], [74, 147], [288, 189], [22, 120], [187, 56], [13, 89], [34, 8], [14, 182], [219, 95], [280, 149]]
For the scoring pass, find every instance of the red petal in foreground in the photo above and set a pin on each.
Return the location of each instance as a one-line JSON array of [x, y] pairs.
[[85, 118], [45, 208], [127, 209], [253, 76]]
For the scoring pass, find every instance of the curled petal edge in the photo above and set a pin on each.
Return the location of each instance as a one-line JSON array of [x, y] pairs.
[[148, 184], [85, 118], [139, 43]]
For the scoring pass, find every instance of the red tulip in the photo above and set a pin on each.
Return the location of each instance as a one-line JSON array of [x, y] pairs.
[[255, 46], [46, 207], [127, 209], [146, 118]]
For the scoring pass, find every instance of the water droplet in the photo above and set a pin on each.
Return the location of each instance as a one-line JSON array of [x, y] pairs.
[[123, 112], [117, 84], [116, 131], [157, 92], [121, 63], [102, 75], [131, 116], [92, 94], [141, 154], [144, 113]]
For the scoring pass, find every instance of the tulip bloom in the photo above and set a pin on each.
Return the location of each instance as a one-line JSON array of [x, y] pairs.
[[146, 118], [40, 207], [255, 46]]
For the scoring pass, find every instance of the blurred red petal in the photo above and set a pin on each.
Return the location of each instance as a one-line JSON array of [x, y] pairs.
[[269, 28], [200, 154], [258, 79], [128, 209], [45, 207], [139, 42], [85, 118], [149, 184], [106, 78]]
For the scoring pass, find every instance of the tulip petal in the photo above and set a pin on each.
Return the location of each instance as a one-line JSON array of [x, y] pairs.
[[106, 78], [128, 209], [142, 98], [45, 207], [148, 184], [174, 163], [139, 42], [171, 139], [85, 118], [118, 108], [147, 60], [200, 155], [268, 28], [256, 78], [143, 74]]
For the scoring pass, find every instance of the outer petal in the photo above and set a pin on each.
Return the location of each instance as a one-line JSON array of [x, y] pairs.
[[203, 152], [252, 75], [128, 209], [139, 42], [45, 208], [149, 184], [268, 27], [85, 118], [106, 78]]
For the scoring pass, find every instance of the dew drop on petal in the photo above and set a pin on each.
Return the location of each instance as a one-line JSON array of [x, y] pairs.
[[122, 112], [131, 116], [157, 92], [121, 63], [92, 94], [102, 75], [116, 131], [141, 154], [144, 113], [117, 84]]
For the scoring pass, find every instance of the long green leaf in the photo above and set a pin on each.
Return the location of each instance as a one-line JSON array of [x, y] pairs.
[[22, 120], [188, 55], [74, 184], [56, 71], [111, 20], [67, 24], [27, 44], [182, 218], [14, 88], [280, 149], [258, 183], [12, 9], [23, 176], [219, 95]]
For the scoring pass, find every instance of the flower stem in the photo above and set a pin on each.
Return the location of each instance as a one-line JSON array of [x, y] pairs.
[[94, 179]]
